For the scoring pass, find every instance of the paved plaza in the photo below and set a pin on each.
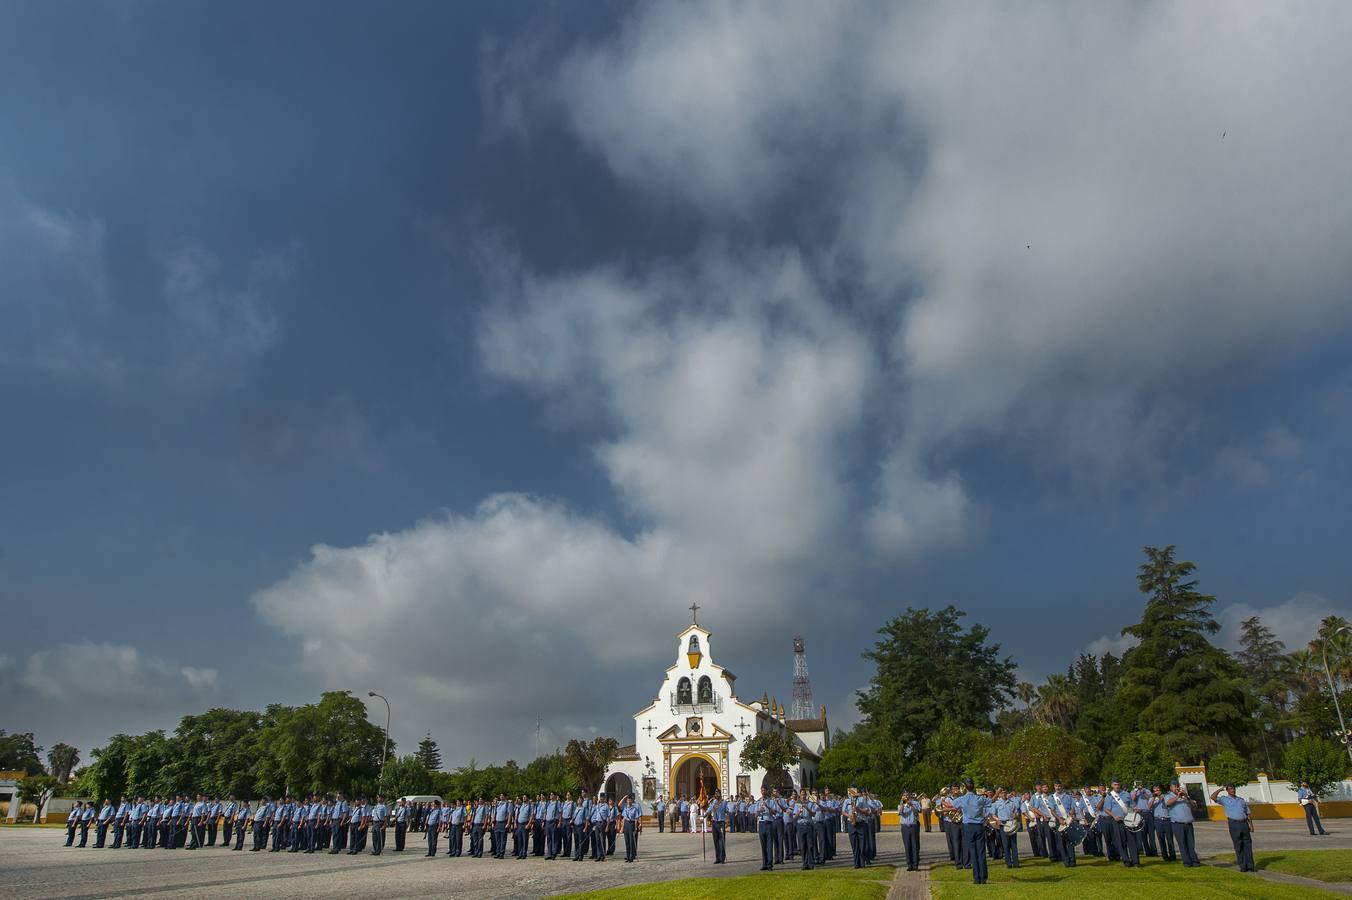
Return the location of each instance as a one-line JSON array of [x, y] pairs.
[[34, 863]]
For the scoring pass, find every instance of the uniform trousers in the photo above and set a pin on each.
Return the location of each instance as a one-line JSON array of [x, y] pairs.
[[213, 823], [630, 840], [720, 841], [551, 840], [1312, 818], [579, 841], [499, 840], [1065, 850], [777, 836], [910, 845], [100, 834], [134, 835], [1187, 849], [119, 827], [661, 821], [1164, 839], [1127, 847], [1146, 836], [239, 835], [377, 839], [802, 833], [1011, 849], [565, 833], [974, 839], [611, 831], [765, 830], [457, 840], [432, 841], [598, 832], [476, 840], [1242, 838]]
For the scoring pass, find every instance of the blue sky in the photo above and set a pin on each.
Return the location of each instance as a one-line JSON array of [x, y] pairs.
[[452, 350]]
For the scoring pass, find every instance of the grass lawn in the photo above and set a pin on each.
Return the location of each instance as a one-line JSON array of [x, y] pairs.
[[794, 884], [1099, 878], [1324, 865]]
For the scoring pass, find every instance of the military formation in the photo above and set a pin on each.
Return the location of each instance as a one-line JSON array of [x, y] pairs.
[[1103, 820], [979, 824]]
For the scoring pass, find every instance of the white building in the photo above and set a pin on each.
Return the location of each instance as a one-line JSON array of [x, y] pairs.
[[695, 728]]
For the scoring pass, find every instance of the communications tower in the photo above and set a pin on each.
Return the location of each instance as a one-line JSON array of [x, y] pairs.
[[803, 707]]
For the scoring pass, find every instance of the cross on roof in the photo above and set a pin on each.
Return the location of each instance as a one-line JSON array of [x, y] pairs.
[[650, 729], [694, 612]]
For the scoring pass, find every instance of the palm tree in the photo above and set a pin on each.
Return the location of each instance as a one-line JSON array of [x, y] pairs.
[[62, 759], [1058, 702], [1026, 692]]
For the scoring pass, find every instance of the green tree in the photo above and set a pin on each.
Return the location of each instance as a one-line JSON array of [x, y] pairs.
[[587, 762], [1058, 702], [62, 758], [36, 789], [321, 747], [1317, 760], [928, 669], [770, 751], [1039, 751], [18, 753], [405, 776], [215, 752], [1266, 664], [1141, 757], [1228, 767], [429, 754], [1174, 681]]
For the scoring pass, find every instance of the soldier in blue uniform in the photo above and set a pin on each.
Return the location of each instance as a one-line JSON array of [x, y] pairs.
[[105, 818], [380, 818], [802, 830], [551, 826], [1181, 821], [580, 823], [600, 820], [1140, 798], [433, 822], [908, 816], [660, 807], [718, 824], [502, 813], [1164, 833], [259, 823], [136, 817], [1116, 804], [1064, 811], [1309, 801], [228, 820], [459, 817], [565, 839], [241, 820], [1240, 822], [1006, 809], [766, 811], [479, 818], [629, 814], [338, 818], [120, 821], [974, 808]]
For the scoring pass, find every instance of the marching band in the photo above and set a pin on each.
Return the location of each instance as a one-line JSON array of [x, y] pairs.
[[979, 824]]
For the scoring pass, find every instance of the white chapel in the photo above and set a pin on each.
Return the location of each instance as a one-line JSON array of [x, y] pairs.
[[695, 729]]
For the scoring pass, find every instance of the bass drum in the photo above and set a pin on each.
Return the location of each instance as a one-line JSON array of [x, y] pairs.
[[1133, 820], [1074, 833]]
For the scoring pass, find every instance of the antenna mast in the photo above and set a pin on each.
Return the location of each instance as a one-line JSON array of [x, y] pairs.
[[803, 707]]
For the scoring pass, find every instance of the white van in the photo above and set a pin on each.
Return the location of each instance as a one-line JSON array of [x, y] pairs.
[[421, 798]]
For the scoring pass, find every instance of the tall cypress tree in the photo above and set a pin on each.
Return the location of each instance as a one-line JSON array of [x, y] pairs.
[[1174, 681], [428, 753]]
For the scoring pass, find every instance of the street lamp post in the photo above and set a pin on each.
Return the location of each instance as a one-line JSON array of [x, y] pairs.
[[385, 749], [1342, 726]]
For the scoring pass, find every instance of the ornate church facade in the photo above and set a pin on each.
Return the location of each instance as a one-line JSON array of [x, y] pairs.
[[695, 728]]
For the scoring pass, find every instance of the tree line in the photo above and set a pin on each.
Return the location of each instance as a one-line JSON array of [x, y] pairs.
[[943, 702]]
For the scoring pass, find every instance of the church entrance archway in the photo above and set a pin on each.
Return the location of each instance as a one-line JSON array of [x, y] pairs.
[[619, 785], [685, 780]]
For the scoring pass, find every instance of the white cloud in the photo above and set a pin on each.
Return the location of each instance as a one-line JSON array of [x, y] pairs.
[[1044, 198], [1253, 463], [85, 674], [1116, 644], [1294, 621]]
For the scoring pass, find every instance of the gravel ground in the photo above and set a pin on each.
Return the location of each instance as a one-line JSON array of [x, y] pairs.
[[34, 863]]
